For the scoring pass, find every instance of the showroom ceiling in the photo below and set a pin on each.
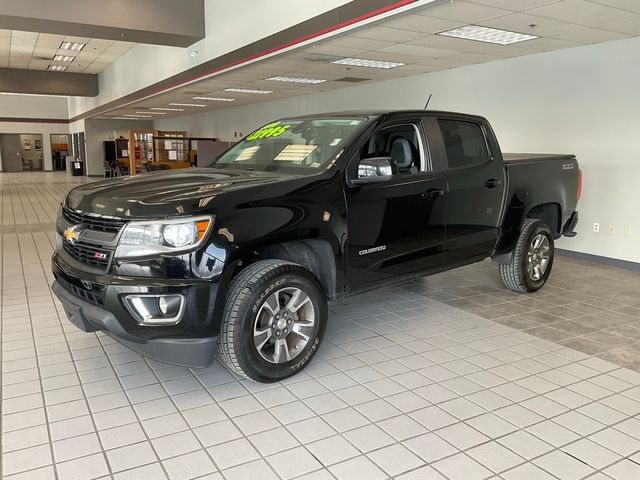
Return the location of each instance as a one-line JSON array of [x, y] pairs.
[[413, 39], [43, 51]]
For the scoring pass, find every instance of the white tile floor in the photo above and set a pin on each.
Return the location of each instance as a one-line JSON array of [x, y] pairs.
[[403, 387]]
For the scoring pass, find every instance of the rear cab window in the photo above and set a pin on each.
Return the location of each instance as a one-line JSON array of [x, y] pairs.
[[464, 143]]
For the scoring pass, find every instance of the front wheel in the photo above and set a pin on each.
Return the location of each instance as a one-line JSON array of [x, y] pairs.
[[532, 258], [273, 322]]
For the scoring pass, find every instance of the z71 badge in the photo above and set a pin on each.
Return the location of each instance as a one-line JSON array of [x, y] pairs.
[[567, 166]]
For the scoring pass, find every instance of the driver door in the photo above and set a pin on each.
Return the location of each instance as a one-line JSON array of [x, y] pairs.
[[395, 226]]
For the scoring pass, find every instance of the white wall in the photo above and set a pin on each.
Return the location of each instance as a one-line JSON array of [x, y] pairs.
[[34, 106], [229, 25], [44, 129], [583, 100]]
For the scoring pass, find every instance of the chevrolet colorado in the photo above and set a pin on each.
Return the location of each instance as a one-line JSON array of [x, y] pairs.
[[246, 253]]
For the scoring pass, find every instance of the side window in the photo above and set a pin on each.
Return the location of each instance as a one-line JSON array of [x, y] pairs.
[[401, 143], [464, 142]]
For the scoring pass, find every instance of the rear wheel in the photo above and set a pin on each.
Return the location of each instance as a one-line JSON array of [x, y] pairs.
[[532, 259], [273, 322]]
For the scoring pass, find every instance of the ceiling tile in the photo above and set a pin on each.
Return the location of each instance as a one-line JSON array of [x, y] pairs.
[[515, 5], [420, 23], [580, 11], [631, 5], [364, 44], [21, 49], [386, 33], [462, 11], [631, 27], [521, 22], [547, 44], [592, 35], [476, 57], [450, 43], [417, 50]]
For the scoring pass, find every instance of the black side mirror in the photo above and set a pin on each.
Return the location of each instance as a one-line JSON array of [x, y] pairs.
[[375, 170]]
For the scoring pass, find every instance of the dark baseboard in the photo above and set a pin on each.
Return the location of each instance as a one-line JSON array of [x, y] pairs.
[[611, 262]]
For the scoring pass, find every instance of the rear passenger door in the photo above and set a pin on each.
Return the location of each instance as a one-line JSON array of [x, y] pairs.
[[476, 182], [395, 227]]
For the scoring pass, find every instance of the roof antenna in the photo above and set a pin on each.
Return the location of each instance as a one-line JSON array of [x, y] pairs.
[[428, 100]]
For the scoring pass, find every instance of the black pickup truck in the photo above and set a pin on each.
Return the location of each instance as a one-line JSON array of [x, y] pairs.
[[246, 253]]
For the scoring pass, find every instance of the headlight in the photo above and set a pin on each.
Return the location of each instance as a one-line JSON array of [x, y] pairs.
[[142, 239]]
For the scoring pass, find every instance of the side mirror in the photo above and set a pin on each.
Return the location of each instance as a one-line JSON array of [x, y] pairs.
[[374, 170]]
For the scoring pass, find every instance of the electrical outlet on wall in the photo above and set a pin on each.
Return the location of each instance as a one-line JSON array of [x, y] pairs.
[[627, 231], [596, 227], [611, 230]]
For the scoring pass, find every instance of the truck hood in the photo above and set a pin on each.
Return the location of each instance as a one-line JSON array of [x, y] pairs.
[[166, 193]]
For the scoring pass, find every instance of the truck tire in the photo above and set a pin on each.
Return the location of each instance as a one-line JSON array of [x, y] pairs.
[[532, 258], [273, 321]]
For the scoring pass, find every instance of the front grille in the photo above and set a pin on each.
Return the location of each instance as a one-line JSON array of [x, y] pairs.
[[91, 255], [94, 222], [90, 297]]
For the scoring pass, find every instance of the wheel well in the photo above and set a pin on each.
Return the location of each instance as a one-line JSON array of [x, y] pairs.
[[314, 254], [550, 214]]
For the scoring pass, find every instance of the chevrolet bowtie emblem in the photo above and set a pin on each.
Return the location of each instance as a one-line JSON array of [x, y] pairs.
[[70, 234]]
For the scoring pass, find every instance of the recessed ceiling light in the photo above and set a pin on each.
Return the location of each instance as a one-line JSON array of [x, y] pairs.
[[63, 58], [215, 99], [188, 104], [58, 68], [151, 113], [248, 90], [363, 62], [72, 46], [168, 109], [125, 118], [312, 81], [136, 115], [488, 35]]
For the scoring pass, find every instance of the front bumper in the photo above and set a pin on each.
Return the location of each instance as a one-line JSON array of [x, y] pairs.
[[191, 343]]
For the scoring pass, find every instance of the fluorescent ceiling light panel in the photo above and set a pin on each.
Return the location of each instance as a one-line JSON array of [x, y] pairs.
[[72, 46], [136, 115], [168, 109], [248, 90], [151, 113], [58, 68], [63, 58], [215, 99], [188, 104], [312, 81], [125, 118], [363, 62], [488, 35]]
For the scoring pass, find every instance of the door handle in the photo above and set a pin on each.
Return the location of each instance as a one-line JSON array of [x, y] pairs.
[[433, 193], [491, 183]]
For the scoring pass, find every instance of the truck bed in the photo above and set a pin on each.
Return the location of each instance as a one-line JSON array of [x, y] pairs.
[[519, 158]]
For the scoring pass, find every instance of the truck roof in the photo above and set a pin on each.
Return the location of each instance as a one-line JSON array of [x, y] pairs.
[[378, 113]]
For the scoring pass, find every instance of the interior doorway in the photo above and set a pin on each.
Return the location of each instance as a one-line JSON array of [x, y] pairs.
[[60, 148], [10, 152], [21, 152]]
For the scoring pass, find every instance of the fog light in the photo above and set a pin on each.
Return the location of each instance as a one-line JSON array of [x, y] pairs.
[[156, 309], [162, 305]]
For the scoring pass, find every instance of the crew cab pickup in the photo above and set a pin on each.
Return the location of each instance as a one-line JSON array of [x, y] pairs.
[[244, 255]]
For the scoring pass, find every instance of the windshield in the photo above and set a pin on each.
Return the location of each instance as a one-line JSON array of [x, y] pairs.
[[309, 143]]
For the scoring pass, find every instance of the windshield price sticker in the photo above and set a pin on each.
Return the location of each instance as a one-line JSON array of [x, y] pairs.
[[270, 130]]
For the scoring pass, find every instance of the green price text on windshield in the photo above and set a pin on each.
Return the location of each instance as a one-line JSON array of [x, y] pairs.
[[270, 130]]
